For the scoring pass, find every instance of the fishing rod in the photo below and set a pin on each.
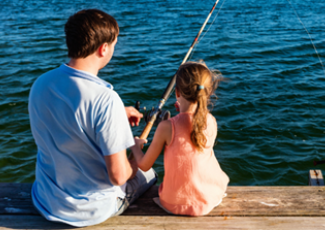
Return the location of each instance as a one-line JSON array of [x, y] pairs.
[[157, 111]]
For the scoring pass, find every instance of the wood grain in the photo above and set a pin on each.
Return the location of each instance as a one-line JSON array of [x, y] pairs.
[[316, 177], [241, 201], [172, 222]]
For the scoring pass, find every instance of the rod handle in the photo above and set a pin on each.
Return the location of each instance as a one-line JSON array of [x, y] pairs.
[[146, 130]]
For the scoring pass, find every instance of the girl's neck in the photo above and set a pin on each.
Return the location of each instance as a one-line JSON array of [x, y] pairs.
[[186, 106]]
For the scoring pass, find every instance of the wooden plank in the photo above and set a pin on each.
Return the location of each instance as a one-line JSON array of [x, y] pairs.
[[252, 201], [241, 201], [15, 198], [316, 177], [273, 201], [173, 222]]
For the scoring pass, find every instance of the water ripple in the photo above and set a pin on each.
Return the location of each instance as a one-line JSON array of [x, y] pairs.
[[269, 108]]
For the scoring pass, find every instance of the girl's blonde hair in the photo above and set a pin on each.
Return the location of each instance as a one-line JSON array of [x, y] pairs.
[[196, 83]]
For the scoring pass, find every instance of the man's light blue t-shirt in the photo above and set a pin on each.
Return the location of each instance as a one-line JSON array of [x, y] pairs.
[[76, 119]]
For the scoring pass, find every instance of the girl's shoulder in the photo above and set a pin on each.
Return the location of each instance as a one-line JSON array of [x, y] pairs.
[[211, 121], [211, 118], [165, 130], [165, 125]]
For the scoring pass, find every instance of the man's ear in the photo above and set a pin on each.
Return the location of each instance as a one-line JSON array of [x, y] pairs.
[[103, 49]]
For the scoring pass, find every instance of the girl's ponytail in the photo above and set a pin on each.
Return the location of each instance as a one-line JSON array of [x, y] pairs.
[[199, 119], [196, 83]]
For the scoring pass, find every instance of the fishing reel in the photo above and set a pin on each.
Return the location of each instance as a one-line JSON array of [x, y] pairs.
[[147, 114]]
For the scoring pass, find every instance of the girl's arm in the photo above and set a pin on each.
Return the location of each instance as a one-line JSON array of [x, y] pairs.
[[162, 136]]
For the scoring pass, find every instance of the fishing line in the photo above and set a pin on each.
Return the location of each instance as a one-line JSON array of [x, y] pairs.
[[311, 40], [173, 90], [199, 39], [171, 84], [207, 30]]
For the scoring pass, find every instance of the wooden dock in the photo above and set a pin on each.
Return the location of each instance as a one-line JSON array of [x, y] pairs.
[[291, 207]]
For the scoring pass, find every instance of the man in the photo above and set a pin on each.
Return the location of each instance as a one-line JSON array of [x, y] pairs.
[[81, 129]]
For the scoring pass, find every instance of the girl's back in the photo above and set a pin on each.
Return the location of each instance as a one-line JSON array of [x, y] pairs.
[[194, 182]]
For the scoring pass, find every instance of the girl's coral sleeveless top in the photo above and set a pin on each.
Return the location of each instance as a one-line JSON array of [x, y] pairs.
[[193, 183]]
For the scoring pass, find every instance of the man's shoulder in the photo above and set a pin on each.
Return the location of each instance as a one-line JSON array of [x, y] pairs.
[[108, 99], [46, 76], [51, 72], [41, 84]]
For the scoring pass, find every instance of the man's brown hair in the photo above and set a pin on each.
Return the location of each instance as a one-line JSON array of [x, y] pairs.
[[87, 30]]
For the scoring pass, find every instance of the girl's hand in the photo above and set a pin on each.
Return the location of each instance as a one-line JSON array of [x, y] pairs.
[[140, 142], [177, 106]]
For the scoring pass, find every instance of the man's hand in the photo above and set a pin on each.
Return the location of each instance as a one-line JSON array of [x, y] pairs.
[[133, 115]]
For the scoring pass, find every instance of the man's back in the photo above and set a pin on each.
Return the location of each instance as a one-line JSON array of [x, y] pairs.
[[76, 120]]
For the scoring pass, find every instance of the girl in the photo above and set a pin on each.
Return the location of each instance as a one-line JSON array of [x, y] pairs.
[[194, 182]]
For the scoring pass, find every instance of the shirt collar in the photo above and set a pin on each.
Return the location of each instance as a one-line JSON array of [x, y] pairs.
[[85, 75]]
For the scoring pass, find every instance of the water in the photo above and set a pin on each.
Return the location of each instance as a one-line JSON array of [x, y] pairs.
[[269, 110]]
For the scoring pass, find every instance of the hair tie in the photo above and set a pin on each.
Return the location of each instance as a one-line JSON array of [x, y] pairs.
[[200, 87]]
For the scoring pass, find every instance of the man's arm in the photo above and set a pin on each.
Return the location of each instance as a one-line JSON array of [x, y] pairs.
[[119, 168]]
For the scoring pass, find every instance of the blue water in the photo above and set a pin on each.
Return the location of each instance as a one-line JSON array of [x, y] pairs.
[[270, 107]]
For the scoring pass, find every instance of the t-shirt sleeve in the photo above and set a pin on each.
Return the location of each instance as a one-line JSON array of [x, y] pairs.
[[113, 131]]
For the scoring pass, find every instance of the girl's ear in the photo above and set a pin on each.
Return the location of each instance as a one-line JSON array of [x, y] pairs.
[[177, 93]]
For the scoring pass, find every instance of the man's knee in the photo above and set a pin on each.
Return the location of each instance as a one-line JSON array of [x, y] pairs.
[[150, 175], [140, 183]]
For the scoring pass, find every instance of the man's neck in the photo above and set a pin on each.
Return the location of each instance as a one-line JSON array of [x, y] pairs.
[[85, 64]]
